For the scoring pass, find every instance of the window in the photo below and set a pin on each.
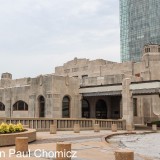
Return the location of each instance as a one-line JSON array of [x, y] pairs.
[[2, 107], [20, 106], [135, 106], [66, 70], [41, 101], [74, 69], [66, 107], [137, 75], [84, 77]]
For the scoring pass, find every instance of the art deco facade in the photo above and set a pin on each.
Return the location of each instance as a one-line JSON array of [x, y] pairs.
[[88, 89]]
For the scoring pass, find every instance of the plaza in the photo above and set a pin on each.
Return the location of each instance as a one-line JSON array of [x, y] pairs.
[[87, 145]]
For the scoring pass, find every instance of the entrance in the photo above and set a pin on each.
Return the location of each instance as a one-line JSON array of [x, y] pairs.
[[101, 109]]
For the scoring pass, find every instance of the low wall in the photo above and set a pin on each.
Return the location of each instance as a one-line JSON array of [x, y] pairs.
[[63, 124], [9, 139]]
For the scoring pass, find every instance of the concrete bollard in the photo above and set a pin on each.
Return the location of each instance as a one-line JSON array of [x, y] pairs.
[[124, 154], [63, 151], [53, 129], [21, 144], [154, 127], [96, 128], [76, 128], [114, 127], [25, 126]]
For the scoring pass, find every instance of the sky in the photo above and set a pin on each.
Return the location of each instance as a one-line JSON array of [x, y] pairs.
[[38, 35]]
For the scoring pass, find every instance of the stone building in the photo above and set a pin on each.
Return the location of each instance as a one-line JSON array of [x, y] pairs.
[[88, 89]]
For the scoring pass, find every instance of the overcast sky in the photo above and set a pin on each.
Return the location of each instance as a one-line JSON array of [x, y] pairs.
[[37, 35]]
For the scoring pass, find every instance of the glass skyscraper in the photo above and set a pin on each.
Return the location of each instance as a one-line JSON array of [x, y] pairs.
[[139, 25]]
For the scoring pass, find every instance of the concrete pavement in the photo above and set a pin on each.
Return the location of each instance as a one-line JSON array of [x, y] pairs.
[[88, 145]]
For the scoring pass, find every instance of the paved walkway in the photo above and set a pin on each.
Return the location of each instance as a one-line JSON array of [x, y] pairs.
[[87, 144]]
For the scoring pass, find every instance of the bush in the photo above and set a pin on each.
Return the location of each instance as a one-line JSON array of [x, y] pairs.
[[10, 128], [156, 122]]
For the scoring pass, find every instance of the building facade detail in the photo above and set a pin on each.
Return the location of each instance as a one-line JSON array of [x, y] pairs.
[[95, 89]]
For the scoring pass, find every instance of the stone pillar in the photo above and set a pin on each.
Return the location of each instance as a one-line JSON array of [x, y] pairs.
[[21, 144], [63, 151], [49, 105], [53, 129], [96, 128], [8, 108], [32, 104], [127, 103], [36, 109], [114, 127], [154, 127], [155, 106], [76, 128], [124, 155], [77, 111], [57, 106]]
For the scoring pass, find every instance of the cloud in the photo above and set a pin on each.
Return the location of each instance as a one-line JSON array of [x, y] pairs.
[[38, 32]]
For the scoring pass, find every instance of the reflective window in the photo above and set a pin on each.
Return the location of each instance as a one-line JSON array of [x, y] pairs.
[[140, 25]]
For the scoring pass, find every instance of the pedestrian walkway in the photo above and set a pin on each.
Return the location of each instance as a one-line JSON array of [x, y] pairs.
[[87, 145]]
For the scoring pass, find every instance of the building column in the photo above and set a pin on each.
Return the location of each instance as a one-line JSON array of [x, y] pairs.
[[155, 109], [31, 106], [57, 105], [8, 108], [127, 103]]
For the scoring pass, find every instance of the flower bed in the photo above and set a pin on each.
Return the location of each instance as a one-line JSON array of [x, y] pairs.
[[9, 132], [11, 128]]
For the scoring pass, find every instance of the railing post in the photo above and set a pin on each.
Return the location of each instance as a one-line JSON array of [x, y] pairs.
[[93, 123]]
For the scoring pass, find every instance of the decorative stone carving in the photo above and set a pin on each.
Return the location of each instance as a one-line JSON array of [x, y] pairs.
[[67, 80]]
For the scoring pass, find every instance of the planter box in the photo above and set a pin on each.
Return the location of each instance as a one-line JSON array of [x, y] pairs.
[[9, 139]]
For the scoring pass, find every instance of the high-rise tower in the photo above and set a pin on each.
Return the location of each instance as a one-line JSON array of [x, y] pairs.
[[139, 25]]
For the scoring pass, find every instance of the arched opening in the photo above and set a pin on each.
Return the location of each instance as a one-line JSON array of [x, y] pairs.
[[20, 106], [41, 102], [101, 109], [2, 107], [66, 107], [85, 109]]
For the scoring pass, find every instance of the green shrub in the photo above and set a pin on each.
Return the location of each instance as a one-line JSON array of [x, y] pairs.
[[10, 128]]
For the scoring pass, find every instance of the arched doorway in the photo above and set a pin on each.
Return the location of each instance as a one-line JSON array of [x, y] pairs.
[[41, 102], [85, 109], [66, 107], [101, 109]]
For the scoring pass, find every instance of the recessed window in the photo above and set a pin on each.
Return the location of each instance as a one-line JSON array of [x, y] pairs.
[[66, 107], [75, 69], [20, 106], [135, 106], [66, 70], [2, 107]]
